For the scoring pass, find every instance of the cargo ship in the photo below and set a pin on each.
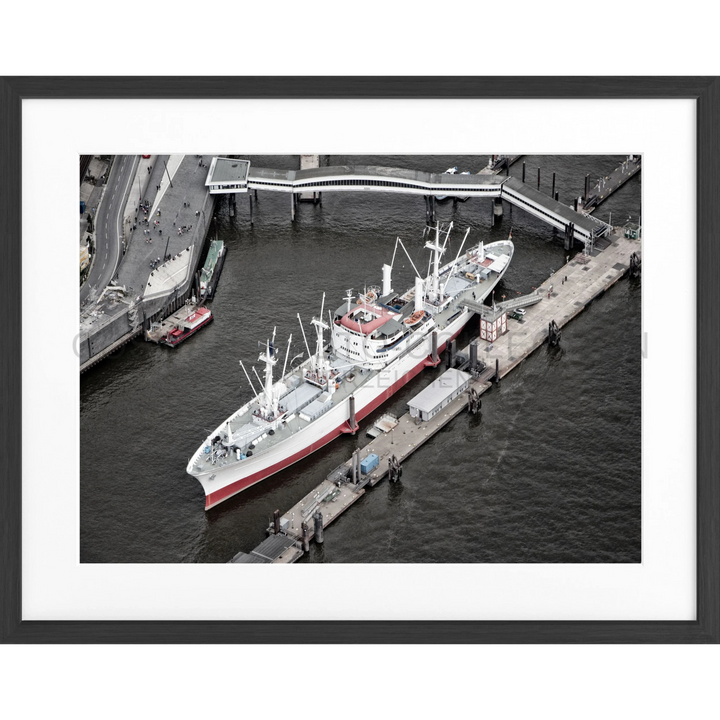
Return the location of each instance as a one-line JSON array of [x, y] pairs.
[[379, 341]]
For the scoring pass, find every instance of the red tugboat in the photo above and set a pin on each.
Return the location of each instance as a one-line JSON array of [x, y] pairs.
[[193, 320]]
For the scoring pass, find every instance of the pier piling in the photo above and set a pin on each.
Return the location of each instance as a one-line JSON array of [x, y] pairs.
[[523, 175], [276, 522], [351, 420], [305, 536], [538, 178], [552, 194], [554, 334], [450, 352], [318, 518], [473, 356], [497, 208]]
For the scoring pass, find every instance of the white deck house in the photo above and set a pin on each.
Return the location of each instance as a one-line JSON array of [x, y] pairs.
[[430, 401]]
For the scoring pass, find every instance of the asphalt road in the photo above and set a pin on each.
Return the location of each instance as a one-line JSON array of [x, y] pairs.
[[108, 225]]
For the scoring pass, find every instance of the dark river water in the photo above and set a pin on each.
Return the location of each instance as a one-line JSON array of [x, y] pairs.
[[550, 472]]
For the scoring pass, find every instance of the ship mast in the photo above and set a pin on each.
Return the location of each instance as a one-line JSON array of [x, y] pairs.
[[320, 325], [437, 252], [269, 403]]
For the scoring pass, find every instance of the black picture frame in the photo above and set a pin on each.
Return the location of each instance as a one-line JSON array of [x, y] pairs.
[[705, 91]]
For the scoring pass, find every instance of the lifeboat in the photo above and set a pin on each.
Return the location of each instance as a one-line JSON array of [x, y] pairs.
[[469, 276], [369, 298], [415, 318]]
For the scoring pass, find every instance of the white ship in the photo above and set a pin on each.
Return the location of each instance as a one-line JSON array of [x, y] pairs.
[[379, 341]]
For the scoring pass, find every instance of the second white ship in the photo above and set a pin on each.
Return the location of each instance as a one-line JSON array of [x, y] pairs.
[[379, 341]]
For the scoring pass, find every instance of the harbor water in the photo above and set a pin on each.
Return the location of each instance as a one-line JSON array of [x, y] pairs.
[[549, 472]]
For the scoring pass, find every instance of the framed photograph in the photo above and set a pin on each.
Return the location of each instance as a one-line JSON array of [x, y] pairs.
[[447, 345]]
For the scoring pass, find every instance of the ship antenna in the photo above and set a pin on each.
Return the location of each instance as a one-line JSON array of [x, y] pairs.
[[307, 347], [409, 258], [450, 227], [392, 262], [455, 262], [257, 376], [248, 377], [287, 353]]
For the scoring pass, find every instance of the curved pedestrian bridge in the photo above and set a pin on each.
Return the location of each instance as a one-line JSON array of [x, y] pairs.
[[229, 175]]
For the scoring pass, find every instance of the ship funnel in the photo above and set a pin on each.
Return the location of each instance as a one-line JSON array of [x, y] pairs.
[[418, 294], [387, 279]]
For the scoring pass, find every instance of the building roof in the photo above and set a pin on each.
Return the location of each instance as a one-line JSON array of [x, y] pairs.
[[227, 170], [434, 394]]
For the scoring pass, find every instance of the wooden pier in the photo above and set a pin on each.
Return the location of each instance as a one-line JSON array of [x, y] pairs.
[[564, 295], [609, 184]]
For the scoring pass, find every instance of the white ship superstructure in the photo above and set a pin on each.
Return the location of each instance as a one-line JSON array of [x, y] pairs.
[[380, 340]]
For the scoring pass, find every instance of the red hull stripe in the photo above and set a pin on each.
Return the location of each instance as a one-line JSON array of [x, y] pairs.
[[238, 486]]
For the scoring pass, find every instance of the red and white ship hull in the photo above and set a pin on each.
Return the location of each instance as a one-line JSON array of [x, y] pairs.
[[385, 347], [231, 480]]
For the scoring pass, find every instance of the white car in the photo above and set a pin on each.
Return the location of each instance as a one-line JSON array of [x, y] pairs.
[[520, 311]]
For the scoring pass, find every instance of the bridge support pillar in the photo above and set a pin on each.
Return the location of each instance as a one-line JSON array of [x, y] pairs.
[[569, 236], [497, 208]]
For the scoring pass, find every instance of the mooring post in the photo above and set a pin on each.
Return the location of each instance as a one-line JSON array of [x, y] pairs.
[[354, 467], [552, 194], [305, 536], [587, 183], [251, 207], [292, 207], [451, 354], [318, 518], [276, 522], [351, 419], [497, 371], [557, 196], [523, 179], [538, 178]]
